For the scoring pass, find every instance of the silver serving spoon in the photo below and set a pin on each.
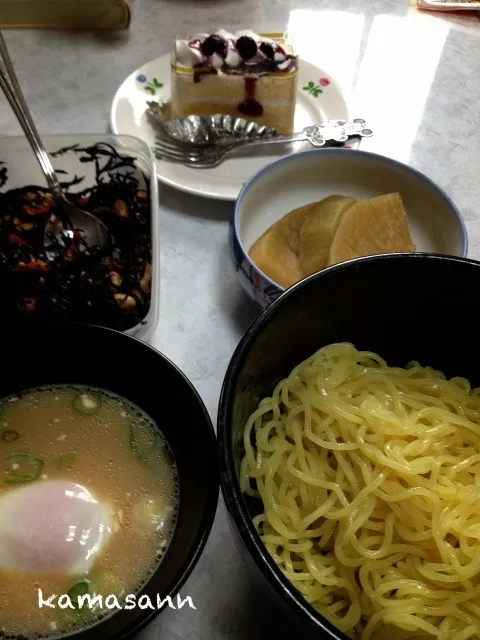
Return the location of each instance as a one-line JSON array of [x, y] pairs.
[[93, 231], [327, 134]]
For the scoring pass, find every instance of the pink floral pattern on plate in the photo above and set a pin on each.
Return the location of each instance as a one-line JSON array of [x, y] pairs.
[[315, 88]]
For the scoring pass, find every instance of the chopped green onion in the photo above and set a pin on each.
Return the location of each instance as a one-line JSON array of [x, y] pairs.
[[65, 462], [73, 618], [22, 468], [80, 614], [108, 583], [80, 588], [142, 441], [87, 403], [9, 435], [149, 515]]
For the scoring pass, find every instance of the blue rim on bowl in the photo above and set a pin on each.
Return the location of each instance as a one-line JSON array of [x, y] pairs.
[[250, 276]]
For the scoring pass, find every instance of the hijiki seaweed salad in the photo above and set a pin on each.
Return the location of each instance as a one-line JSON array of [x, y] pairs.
[[109, 286]]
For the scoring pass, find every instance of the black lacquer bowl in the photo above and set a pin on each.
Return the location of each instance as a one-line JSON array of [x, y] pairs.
[[85, 354], [422, 307]]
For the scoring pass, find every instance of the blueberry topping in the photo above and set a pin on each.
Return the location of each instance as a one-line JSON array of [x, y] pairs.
[[246, 47], [267, 50], [213, 44]]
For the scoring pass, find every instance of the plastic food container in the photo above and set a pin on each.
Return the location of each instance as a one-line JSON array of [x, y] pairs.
[[23, 170]]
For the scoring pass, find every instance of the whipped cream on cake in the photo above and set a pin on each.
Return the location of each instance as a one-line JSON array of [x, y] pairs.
[[243, 74], [229, 52]]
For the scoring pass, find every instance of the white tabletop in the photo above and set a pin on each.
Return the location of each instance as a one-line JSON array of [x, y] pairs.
[[414, 76]]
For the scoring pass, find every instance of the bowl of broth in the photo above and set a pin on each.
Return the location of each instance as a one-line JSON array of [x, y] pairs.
[[349, 448], [108, 483], [312, 209]]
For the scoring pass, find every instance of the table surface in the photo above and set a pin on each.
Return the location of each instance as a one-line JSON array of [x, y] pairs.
[[414, 76]]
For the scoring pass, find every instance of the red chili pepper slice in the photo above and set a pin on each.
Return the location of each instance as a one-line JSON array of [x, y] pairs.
[[14, 239], [35, 265]]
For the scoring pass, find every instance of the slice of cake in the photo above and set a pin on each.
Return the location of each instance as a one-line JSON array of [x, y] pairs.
[[246, 75]]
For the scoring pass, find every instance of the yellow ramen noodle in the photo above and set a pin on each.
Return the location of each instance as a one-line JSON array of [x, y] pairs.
[[369, 477]]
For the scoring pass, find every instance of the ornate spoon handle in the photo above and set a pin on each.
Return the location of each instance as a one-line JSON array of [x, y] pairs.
[[318, 134]]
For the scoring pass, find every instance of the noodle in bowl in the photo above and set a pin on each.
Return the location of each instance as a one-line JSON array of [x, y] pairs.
[[349, 438], [368, 475]]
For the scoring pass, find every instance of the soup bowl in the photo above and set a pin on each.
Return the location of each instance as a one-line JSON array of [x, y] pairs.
[[435, 223], [123, 365], [404, 307]]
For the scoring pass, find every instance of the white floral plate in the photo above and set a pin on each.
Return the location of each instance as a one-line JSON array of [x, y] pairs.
[[319, 98]]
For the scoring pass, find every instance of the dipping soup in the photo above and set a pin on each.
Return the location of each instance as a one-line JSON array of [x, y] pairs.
[[88, 504]]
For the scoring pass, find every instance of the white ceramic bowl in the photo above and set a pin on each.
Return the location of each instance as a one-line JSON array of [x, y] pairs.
[[435, 223]]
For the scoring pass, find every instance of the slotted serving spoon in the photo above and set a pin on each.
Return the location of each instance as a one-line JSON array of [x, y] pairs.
[[329, 133], [93, 231]]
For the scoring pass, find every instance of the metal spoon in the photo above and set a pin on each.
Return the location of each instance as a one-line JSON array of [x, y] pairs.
[[93, 231], [327, 134]]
